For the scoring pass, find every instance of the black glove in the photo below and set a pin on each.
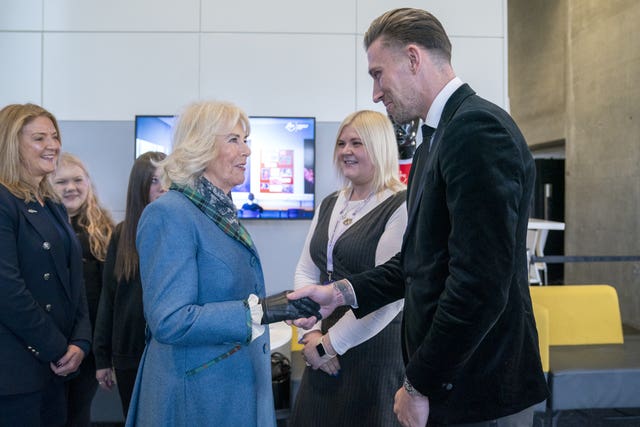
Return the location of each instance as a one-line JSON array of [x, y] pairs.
[[278, 307]]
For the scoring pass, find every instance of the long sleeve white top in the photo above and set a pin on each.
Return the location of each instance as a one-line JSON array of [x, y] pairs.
[[349, 331]]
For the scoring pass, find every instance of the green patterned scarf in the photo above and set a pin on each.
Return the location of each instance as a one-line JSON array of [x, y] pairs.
[[218, 207]]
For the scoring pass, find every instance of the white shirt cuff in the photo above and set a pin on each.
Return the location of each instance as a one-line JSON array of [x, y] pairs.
[[256, 316]]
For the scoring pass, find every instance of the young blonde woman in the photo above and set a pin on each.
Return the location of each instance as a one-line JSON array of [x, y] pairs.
[[93, 226]]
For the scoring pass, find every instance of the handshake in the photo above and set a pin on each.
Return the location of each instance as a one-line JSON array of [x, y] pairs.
[[278, 307]]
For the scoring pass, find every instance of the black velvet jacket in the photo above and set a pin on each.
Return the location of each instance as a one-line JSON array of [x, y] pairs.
[[470, 341]]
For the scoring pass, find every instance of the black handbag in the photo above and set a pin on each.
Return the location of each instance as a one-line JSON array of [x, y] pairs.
[[280, 380]]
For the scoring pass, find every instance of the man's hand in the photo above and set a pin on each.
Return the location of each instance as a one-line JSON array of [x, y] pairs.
[[412, 411], [278, 307], [326, 296], [69, 363]]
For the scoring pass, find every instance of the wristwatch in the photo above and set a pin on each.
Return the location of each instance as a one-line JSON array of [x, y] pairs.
[[322, 351], [410, 390]]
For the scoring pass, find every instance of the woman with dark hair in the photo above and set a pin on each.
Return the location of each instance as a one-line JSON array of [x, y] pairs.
[[119, 331], [45, 331], [93, 226]]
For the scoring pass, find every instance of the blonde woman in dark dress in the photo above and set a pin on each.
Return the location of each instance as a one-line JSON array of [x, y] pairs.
[[354, 365]]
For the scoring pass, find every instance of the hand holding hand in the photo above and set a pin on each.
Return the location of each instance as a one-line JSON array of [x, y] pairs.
[[69, 363], [412, 411], [309, 352], [331, 367], [326, 296], [278, 307], [105, 378]]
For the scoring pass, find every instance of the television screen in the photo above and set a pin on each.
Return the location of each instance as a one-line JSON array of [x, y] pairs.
[[280, 175]]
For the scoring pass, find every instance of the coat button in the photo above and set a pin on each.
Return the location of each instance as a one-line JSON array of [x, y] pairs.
[[48, 308], [447, 386], [253, 261], [408, 280], [46, 276], [265, 348], [46, 246]]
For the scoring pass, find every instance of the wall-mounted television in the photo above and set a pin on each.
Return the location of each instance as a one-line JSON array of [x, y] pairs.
[[280, 175]]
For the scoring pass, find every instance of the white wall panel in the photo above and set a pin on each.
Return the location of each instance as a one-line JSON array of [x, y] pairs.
[[482, 18], [480, 62], [274, 74], [364, 82], [115, 76], [106, 149], [289, 16], [23, 15], [20, 75], [477, 61], [121, 15]]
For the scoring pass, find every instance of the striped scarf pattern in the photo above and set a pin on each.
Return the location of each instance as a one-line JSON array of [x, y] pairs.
[[218, 207]]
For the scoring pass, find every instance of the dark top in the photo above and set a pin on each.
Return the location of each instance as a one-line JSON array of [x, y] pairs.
[[92, 271], [469, 335], [119, 331], [43, 307]]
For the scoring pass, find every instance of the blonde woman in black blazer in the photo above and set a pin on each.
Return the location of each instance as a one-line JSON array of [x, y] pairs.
[[44, 324]]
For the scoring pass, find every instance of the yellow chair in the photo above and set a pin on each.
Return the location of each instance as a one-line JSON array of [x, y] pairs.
[[294, 340], [580, 314], [542, 324]]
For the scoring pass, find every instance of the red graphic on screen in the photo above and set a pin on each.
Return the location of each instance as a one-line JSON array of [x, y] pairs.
[[405, 168], [276, 171]]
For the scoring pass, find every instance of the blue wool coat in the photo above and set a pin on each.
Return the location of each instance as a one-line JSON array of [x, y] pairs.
[[199, 367]]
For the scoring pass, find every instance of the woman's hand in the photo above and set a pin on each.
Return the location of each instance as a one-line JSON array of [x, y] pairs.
[[309, 352], [331, 367], [105, 378], [69, 363]]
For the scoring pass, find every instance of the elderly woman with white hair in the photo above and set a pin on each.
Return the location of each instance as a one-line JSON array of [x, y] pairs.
[[207, 359]]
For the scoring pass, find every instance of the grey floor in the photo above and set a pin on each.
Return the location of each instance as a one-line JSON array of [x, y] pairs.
[[109, 405], [596, 418], [590, 418]]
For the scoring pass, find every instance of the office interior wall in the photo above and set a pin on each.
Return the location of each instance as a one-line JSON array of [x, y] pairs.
[[96, 65]]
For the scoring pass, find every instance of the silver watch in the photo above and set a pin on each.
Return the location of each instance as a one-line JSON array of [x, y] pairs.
[[410, 390]]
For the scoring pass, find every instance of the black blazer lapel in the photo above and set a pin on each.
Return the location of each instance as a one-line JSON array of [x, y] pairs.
[[36, 217], [424, 161]]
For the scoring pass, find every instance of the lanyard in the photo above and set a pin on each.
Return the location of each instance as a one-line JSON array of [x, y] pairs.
[[343, 220]]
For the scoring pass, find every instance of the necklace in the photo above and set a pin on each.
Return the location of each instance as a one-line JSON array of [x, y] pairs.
[[346, 216], [346, 220]]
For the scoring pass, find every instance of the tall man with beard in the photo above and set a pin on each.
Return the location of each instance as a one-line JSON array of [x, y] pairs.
[[469, 336]]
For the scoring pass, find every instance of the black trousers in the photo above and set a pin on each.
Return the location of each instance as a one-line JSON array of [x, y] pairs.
[[126, 379], [43, 408], [81, 390]]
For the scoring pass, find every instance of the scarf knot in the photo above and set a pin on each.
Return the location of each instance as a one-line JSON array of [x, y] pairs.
[[218, 207]]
